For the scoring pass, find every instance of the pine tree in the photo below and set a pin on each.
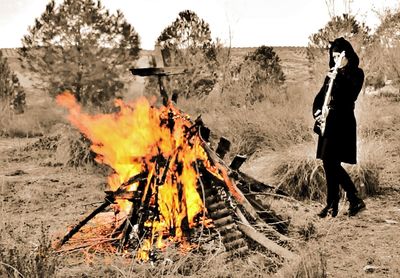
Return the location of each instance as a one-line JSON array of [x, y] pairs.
[[12, 96], [383, 53], [259, 76], [80, 46], [339, 26], [187, 42]]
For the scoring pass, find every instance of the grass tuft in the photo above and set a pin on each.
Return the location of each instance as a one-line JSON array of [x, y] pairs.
[[302, 176], [36, 262]]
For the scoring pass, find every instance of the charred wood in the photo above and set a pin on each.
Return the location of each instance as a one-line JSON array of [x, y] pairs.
[[216, 206], [237, 162], [220, 213], [234, 235], [223, 221], [223, 147]]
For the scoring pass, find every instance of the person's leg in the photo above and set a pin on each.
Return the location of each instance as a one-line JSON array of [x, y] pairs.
[[356, 203], [332, 182], [347, 184]]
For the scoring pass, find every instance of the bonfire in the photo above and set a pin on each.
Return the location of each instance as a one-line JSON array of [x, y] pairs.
[[167, 184]]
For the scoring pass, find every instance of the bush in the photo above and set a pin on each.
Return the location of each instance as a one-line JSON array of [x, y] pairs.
[[67, 146], [269, 68], [302, 178]]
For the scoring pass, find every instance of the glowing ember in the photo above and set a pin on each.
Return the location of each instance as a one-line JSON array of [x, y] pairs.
[[157, 143]]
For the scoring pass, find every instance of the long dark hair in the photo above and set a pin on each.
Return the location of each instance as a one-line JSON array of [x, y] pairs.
[[340, 44]]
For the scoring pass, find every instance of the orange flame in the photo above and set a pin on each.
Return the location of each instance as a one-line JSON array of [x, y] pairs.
[[129, 140]]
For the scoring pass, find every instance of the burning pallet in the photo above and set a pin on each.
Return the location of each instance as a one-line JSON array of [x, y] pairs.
[[175, 185]]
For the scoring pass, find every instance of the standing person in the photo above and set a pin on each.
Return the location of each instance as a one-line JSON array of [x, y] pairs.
[[338, 142]]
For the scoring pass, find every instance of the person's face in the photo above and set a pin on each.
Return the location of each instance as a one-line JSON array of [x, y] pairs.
[[336, 58]]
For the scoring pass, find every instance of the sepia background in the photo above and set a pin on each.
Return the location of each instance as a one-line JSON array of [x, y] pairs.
[[253, 74]]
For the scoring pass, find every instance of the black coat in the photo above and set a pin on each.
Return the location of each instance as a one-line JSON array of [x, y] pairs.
[[340, 138]]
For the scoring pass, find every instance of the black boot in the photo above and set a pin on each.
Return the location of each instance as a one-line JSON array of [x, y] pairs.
[[332, 209], [324, 212], [356, 206], [335, 208]]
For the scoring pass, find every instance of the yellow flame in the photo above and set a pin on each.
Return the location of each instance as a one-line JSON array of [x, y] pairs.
[[128, 141]]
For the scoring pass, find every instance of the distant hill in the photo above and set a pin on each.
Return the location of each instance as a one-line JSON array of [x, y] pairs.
[[293, 62]]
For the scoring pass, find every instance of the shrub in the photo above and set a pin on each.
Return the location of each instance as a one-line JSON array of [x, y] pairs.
[[68, 147]]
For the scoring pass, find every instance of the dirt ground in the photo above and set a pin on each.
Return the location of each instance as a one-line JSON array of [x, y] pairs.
[[366, 245], [35, 192]]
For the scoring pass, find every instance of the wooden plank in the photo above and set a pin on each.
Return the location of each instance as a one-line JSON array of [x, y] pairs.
[[267, 243]]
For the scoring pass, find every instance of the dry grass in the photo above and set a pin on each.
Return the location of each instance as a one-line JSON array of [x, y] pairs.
[[18, 260], [312, 263], [298, 173], [281, 119], [36, 121], [378, 118], [175, 264], [366, 174]]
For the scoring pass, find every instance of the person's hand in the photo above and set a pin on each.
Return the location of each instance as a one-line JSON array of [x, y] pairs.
[[319, 119], [331, 74], [318, 115]]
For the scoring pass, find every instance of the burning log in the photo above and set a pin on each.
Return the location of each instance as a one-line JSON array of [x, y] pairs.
[[237, 161]]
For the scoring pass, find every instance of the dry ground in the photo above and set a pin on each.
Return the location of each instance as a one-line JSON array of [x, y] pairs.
[[34, 193], [366, 245]]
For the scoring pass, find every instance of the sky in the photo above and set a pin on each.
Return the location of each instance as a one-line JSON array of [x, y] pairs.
[[239, 23]]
